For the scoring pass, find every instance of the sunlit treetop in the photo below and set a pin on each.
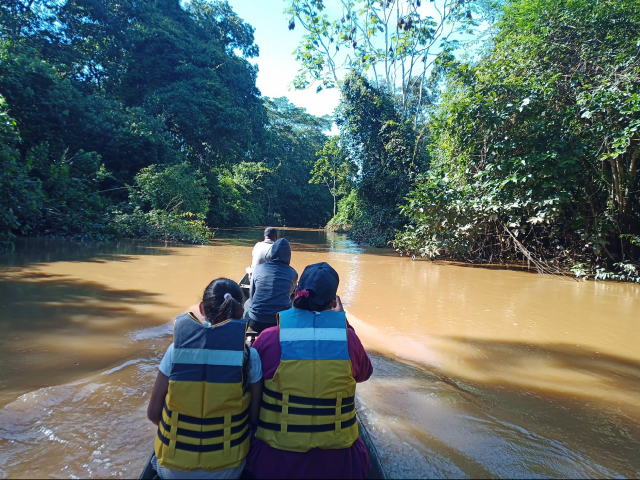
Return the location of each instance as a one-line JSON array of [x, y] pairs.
[[393, 42]]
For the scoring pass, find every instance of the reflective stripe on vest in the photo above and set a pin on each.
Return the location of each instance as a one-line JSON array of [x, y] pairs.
[[205, 420], [309, 403]]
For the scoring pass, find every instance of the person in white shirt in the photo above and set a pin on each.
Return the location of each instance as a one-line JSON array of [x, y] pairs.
[[261, 249]]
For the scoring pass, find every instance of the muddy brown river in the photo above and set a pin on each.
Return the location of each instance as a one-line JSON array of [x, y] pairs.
[[478, 372]]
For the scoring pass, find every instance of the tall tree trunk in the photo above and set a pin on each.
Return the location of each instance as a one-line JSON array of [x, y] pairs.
[[334, 195]]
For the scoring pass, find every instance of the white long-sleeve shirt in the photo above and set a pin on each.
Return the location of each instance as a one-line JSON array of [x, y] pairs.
[[260, 251]]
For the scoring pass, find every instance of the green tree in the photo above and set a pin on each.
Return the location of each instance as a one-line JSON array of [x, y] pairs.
[[333, 170], [103, 86], [73, 204], [386, 152], [292, 139], [175, 188], [167, 203], [535, 147], [395, 43], [183, 67], [238, 194], [107, 94], [166, 81]]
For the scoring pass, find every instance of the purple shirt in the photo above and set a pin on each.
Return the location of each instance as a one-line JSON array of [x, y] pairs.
[[268, 462]]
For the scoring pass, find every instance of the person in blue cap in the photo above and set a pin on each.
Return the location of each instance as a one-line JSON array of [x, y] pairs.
[[311, 363]]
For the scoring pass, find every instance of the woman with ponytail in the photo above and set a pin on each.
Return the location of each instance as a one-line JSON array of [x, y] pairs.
[[208, 391]]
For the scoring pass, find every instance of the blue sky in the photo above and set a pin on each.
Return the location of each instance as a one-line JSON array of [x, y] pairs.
[[277, 65]]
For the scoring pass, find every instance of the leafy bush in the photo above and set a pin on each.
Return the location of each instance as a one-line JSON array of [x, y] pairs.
[[535, 146], [175, 188], [238, 193], [19, 194], [349, 213], [624, 272], [166, 203], [72, 205], [162, 225]]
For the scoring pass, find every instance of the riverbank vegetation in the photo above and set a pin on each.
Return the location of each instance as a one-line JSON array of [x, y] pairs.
[[523, 149], [486, 131], [143, 119]]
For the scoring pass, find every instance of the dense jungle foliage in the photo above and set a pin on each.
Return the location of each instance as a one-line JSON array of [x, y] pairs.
[[388, 59], [535, 146], [523, 151], [143, 119]]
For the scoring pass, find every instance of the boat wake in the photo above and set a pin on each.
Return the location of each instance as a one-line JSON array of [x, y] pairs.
[[94, 427]]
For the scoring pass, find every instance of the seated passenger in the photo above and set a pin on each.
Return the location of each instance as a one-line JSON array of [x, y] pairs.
[[311, 364], [208, 390], [271, 287], [261, 249]]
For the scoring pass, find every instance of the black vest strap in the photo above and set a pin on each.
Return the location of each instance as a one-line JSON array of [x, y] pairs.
[[204, 448], [206, 421], [185, 432], [314, 402], [307, 428], [314, 412]]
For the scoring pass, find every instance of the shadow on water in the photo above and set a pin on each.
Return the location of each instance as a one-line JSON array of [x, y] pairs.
[[77, 324], [30, 251], [559, 372], [43, 297]]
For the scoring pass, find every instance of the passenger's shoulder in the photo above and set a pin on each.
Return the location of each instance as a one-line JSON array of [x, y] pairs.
[[254, 355], [271, 332], [267, 337], [351, 334]]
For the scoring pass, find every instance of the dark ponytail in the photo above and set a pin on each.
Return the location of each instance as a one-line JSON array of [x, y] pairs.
[[303, 302], [222, 300]]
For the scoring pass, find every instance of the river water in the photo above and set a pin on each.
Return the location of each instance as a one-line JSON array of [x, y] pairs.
[[478, 372]]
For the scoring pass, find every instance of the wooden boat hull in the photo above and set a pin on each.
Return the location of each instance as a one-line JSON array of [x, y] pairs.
[[149, 472], [376, 472], [244, 286]]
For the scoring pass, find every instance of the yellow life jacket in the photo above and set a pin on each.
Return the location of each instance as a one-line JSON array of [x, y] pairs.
[[205, 420], [309, 403]]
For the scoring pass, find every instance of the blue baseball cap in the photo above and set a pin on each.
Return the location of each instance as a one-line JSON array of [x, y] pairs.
[[321, 281]]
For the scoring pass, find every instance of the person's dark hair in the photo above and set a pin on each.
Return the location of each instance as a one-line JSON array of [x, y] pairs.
[[307, 303], [216, 307], [271, 233]]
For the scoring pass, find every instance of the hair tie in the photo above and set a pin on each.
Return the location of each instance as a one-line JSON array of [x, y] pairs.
[[227, 296], [302, 293]]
